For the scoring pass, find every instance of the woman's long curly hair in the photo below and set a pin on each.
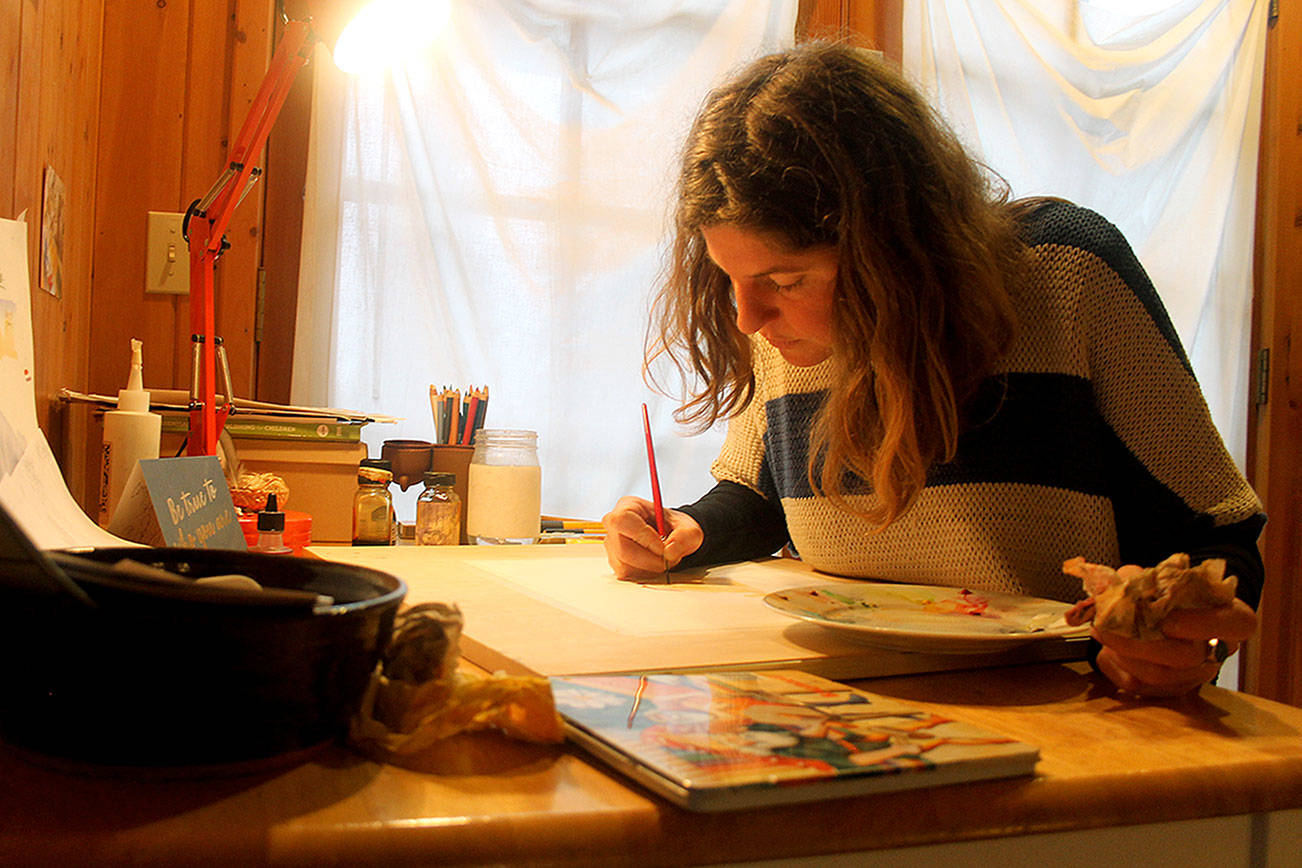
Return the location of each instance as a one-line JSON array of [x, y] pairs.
[[826, 144]]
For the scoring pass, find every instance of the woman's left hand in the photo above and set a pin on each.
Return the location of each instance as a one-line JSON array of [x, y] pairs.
[[1195, 643]]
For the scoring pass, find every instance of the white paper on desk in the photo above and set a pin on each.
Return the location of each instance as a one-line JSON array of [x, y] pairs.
[[732, 594], [32, 489]]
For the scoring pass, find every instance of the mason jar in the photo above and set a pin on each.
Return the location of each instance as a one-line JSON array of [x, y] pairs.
[[438, 511], [504, 488]]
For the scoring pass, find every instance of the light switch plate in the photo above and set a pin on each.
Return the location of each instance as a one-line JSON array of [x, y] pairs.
[[167, 263]]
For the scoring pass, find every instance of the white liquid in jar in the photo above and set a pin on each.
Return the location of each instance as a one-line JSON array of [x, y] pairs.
[[505, 501]]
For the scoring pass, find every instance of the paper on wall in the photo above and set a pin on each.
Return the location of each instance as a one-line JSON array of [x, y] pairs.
[[32, 489]]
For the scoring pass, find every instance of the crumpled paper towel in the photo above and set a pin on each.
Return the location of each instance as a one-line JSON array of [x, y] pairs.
[[417, 697]]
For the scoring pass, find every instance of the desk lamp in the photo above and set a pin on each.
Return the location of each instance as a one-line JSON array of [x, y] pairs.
[[364, 35]]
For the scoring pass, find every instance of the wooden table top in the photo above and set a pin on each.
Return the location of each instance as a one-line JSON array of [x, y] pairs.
[[1105, 760]]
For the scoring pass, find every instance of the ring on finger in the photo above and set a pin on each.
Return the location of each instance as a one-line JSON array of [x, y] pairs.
[[1217, 651]]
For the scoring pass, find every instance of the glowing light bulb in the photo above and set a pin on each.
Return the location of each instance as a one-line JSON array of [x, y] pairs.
[[387, 32]]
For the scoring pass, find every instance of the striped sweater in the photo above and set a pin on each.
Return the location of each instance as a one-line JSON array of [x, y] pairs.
[[1093, 439]]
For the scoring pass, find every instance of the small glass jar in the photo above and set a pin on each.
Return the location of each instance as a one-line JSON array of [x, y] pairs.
[[373, 523], [504, 488], [438, 511]]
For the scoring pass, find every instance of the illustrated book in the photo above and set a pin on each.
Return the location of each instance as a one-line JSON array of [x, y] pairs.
[[731, 740]]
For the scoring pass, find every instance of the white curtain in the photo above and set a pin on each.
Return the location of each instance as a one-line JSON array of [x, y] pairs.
[[496, 214], [1148, 112]]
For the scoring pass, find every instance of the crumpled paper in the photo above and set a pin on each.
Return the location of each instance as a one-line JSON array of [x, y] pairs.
[[1136, 605], [417, 697]]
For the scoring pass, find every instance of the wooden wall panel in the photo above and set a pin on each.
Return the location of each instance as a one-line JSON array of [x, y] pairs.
[[142, 109], [11, 22], [27, 111], [70, 76], [50, 59], [1274, 662], [871, 23]]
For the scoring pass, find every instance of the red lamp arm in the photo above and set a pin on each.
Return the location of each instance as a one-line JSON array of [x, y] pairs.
[[206, 221]]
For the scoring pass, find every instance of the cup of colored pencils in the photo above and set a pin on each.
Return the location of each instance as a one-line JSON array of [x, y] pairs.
[[457, 414]]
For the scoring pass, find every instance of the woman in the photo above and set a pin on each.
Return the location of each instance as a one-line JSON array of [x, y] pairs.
[[924, 382]]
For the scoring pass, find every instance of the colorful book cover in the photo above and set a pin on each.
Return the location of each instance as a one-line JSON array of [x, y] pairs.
[[729, 740]]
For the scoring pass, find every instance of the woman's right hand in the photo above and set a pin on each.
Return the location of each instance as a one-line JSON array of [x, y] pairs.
[[633, 545]]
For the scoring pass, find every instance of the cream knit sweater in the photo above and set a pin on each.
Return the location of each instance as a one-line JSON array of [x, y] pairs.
[[1092, 439]]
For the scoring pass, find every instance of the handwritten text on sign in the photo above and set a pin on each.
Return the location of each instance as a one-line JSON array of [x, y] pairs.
[[192, 502]]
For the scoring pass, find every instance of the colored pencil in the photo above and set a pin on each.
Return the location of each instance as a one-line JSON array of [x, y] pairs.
[[482, 412], [471, 411], [444, 416], [435, 410], [571, 524], [453, 405]]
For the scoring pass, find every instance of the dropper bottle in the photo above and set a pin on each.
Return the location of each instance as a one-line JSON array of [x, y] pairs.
[[131, 433], [271, 529]]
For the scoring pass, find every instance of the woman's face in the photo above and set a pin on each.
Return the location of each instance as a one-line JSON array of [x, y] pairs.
[[784, 295]]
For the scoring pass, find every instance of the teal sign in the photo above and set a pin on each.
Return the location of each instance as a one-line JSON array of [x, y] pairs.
[[192, 503]]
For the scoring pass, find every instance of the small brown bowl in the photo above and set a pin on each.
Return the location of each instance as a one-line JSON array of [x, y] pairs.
[[409, 459]]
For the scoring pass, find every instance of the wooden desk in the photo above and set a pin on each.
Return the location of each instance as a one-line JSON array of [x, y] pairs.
[[1225, 768]]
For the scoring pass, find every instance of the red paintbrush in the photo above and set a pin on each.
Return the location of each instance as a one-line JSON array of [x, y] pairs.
[[655, 478]]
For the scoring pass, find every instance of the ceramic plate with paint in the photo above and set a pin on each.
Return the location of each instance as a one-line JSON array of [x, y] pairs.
[[928, 618]]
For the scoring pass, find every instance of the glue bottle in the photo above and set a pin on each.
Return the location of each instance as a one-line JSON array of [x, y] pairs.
[[131, 433], [271, 529]]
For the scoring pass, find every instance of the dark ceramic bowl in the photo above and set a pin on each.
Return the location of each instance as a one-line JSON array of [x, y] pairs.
[[154, 681]]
